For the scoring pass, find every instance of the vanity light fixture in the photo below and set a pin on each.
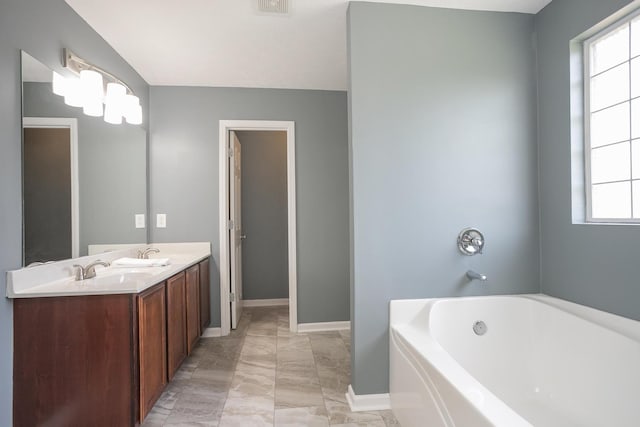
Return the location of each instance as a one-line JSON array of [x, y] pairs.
[[92, 92], [114, 103], [97, 91], [59, 84], [73, 92]]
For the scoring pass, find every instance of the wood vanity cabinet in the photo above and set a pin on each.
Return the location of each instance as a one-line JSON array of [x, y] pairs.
[[193, 306], [74, 361], [176, 323], [103, 360], [205, 308], [152, 341]]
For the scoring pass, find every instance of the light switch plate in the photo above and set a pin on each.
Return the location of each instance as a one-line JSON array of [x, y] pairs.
[[140, 221], [161, 221]]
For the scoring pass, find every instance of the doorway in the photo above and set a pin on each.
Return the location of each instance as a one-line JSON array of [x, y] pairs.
[[50, 189], [230, 225]]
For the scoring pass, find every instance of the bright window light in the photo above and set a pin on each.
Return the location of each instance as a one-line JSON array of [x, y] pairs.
[[612, 123]]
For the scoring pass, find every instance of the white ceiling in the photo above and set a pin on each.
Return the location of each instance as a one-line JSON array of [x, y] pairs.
[[227, 43]]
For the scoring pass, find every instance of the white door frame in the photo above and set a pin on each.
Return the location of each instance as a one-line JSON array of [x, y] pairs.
[[72, 125], [223, 203]]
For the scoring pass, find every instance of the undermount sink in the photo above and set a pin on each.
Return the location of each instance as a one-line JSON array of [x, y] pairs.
[[120, 277], [115, 280], [127, 271]]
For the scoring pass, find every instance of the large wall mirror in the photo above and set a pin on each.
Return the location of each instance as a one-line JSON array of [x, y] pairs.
[[84, 180]]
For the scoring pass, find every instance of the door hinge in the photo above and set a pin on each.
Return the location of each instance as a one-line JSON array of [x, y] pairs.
[[229, 152], [230, 224], [232, 297]]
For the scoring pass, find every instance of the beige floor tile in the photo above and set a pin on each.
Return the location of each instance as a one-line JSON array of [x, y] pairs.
[[263, 375], [337, 395], [339, 413], [156, 417], [361, 424], [252, 380], [297, 417], [389, 418], [192, 408], [292, 393], [194, 424], [245, 421], [257, 410], [259, 345]]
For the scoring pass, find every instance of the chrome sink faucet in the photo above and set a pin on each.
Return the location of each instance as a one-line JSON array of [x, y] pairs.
[[472, 275], [89, 271], [145, 254]]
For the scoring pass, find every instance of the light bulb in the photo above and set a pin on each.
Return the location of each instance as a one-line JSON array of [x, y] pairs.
[[59, 84], [114, 103], [73, 93], [133, 110], [135, 118], [92, 92]]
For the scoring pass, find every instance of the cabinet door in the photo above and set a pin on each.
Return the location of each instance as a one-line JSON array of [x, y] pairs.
[[176, 323], [72, 361], [193, 307], [205, 308], [152, 347]]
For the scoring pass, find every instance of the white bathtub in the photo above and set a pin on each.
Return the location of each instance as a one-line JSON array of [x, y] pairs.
[[542, 362]]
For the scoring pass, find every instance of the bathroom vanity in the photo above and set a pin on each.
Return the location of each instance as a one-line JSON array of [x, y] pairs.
[[91, 353]]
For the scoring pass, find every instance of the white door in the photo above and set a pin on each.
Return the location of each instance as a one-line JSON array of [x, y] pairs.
[[235, 207]]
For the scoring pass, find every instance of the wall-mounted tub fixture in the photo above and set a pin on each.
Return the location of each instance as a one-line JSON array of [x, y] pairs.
[[470, 241], [97, 91], [472, 275]]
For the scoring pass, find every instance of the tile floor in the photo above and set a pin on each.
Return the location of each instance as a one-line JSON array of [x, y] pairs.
[[263, 375]]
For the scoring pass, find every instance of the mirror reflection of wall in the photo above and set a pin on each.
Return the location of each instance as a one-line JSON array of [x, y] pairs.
[[60, 221]]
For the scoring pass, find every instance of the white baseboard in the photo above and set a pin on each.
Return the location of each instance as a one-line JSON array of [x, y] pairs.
[[211, 333], [265, 302], [323, 326], [368, 402]]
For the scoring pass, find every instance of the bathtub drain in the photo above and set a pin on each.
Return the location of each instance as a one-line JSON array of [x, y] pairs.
[[480, 328]]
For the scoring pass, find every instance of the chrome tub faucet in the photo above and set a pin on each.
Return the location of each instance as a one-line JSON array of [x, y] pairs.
[[472, 275]]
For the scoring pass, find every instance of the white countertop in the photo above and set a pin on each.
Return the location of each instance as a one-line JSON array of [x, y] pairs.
[[58, 278]]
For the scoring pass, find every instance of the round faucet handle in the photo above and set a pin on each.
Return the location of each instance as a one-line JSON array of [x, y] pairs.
[[470, 241]]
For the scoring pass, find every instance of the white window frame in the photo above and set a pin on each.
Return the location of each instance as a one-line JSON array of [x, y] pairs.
[[587, 120]]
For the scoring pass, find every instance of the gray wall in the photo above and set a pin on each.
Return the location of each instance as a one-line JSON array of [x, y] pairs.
[[594, 265], [442, 137], [265, 273], [112, 170], [43, 28], [184, 172]]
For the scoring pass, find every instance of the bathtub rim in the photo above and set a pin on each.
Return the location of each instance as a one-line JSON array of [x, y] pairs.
[[402, 311]]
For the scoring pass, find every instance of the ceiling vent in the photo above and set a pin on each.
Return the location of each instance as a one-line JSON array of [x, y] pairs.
[[279, 7]]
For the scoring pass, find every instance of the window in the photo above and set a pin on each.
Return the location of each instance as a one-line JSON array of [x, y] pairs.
[[612, 123]]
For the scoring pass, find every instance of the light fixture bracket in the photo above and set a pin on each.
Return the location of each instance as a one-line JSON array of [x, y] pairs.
[[76, 64]]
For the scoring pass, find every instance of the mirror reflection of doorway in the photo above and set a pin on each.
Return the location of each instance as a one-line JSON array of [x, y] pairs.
[[48, 191]]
